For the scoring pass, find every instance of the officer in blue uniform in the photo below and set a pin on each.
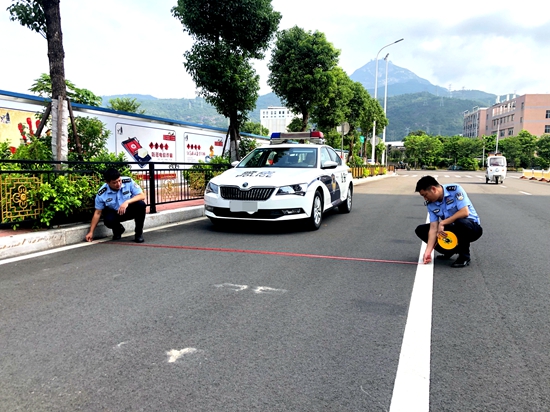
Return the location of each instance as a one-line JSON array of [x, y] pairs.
[[449, 209], [119, 199]]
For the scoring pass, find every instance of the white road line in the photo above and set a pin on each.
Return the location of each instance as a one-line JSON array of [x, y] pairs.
[[411, 391], [525, 193]]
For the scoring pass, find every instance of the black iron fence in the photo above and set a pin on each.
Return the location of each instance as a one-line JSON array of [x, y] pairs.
[[53, 192]]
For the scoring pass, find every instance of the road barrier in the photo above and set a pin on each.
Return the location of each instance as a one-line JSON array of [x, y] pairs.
[[540, 175]]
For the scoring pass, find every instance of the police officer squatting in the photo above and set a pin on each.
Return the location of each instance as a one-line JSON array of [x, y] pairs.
[[119, 199], [449, 209]]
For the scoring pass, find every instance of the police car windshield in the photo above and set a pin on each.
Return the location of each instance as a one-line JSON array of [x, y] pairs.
[[281, 157]]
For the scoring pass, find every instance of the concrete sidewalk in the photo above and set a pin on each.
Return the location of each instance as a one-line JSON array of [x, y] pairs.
[[19, 242]]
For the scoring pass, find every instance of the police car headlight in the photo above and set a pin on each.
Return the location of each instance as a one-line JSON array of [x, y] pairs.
[[211, 188], [299, 190]]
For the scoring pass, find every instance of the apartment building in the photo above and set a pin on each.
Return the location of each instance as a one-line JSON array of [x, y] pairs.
[[276, 119], [509, 116], [474, 122]]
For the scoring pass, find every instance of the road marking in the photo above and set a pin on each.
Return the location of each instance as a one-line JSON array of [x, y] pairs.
[[232, 286], [411, 390], [174, 355], [263, 252], [525, 193]]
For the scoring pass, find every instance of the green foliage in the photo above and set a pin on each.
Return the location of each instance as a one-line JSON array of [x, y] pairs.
[[468, 163], [125, 104], [107, 160], [34, 148], [227, 34], [5, 152], [246, 145], [64, 196], [254, 128], [43, 87], [302, 70], [200, 174], [30, 14], [337, 109], [93, 136]]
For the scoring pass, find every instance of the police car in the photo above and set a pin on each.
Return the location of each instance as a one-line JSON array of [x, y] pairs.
[[296, 177]]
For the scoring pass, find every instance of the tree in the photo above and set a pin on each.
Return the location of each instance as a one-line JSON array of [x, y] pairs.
[[227, 34], [302, 70], [336, 109], [255, 128], [125, 104], [43, 87], [543, 149], [44, 17]]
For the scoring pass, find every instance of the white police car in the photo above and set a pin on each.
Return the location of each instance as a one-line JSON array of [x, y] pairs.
[[282, 181]]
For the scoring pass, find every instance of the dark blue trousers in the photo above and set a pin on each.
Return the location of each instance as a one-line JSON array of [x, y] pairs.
[[135, 211], [466, 231]]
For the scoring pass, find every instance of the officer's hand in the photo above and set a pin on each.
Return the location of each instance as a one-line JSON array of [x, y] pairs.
[[122, 209], [89, 237], [427, 257]]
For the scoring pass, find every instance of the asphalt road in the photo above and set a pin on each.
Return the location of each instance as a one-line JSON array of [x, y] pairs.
[[276, 318]]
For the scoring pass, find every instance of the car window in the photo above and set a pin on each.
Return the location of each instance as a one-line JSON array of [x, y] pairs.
[[280, 157], [325, 156], [334, 156]]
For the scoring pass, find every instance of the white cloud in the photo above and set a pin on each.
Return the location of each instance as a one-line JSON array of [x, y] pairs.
[[125, 46]]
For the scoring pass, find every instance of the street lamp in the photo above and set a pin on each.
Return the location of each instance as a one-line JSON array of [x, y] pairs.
[[373, 140], [385, 103]]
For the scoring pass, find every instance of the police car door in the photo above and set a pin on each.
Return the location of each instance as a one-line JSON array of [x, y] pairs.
[[338, 189]]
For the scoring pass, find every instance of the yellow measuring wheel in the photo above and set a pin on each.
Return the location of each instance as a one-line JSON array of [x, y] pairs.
[[447, 242]]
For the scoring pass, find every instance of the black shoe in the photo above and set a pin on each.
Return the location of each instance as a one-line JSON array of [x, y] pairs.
[[139, 239], [461, 262], [443, 257], [118, 234]]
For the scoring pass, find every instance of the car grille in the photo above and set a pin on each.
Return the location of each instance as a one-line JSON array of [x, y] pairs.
[[235, 193]]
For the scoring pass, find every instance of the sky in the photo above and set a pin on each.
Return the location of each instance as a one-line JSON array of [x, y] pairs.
[[136, 46]]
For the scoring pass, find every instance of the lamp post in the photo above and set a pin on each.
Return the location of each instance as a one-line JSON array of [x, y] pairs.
[[385, 103], [373, 139]]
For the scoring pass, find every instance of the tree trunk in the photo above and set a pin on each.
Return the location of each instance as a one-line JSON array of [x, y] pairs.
[[234, 140], [56, 57], [305, 121]]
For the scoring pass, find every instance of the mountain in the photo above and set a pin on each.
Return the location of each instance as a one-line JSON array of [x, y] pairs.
[[413, 103], [403, 81]]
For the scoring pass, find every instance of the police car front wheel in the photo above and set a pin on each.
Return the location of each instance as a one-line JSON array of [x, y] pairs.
[[314, 221]]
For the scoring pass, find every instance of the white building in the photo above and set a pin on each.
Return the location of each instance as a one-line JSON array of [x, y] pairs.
[[276, 119]]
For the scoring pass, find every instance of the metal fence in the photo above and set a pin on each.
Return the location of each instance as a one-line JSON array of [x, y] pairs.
[[21, 180]]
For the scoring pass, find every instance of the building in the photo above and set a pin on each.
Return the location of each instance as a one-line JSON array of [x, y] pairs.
[[530, 112], [474, 122], [276, 119]]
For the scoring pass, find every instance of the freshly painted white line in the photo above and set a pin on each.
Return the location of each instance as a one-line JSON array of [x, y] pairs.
[[232, 286], [468, 176], [525, 193], [411, 391], [84, 244], [174, 354], [267, 289]]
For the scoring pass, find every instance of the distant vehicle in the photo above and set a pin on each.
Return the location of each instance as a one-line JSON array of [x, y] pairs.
[[455, 167], [496, 169]]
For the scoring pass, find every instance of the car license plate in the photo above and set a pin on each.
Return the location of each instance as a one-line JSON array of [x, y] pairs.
[[239, 206]]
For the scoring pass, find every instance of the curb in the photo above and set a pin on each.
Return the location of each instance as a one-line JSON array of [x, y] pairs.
[[31, 242]]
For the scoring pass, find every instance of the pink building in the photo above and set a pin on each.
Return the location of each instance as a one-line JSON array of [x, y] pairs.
[[530, 112]]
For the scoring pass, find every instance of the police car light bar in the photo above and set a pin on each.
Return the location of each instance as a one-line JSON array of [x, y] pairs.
[[314, 137]]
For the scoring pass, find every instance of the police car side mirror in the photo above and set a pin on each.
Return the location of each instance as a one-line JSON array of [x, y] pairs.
[[235, 163], [329, 164]]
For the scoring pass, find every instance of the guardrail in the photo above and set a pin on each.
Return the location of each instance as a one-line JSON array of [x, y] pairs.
[[374, 170], [21, 181], [540, 175]]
